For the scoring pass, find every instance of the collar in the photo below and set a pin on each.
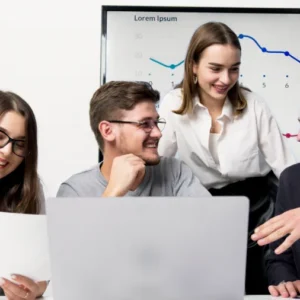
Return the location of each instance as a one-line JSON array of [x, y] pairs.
[[227, 109]]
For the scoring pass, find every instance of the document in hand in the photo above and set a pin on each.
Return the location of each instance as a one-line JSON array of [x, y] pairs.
[[24, 246]]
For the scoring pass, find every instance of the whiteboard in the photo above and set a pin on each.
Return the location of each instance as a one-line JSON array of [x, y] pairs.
[[149, 44]]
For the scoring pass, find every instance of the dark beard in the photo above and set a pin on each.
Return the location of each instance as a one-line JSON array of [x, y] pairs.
[[152, 163]]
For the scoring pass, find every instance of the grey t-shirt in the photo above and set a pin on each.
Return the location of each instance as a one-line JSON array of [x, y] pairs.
[[170, 177]]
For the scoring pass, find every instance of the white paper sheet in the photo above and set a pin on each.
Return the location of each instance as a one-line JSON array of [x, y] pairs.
[[24, 246]]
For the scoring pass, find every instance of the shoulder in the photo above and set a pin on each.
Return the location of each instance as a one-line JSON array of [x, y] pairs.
[[252, 97], [172, 166], [167, 162], [257, 105], [291, 175], [83, 176], [172, 99], [254, 100]]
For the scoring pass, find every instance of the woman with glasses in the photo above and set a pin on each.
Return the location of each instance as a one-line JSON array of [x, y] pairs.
[[20, 188], [225, 133]]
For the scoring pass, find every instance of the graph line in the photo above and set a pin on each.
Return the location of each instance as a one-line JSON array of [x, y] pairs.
[[289, 135], [172, 66], [265, 50], [240, 36]]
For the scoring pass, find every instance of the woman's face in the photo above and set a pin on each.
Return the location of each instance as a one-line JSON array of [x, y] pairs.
[[217, 71], [12, 125]]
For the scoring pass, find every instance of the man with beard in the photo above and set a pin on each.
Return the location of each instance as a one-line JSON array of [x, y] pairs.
[[127, 128]]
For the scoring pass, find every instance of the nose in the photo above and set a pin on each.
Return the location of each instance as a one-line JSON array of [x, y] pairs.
[[225, 77], [7, 149], [155, 132]]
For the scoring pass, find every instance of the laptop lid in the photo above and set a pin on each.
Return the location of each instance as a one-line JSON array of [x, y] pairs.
[[148, 248]]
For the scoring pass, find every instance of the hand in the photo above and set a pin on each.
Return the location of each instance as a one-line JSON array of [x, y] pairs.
[[285, 289], [126, 174], [22, 288], [278, 227]]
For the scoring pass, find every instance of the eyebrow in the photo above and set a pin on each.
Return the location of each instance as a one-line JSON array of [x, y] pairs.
[[149, 118], [17, 138], [219, 65]]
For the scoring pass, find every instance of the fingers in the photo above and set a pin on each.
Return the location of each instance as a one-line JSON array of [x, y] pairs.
[[273, 291], [274, 236], [265, 230], [131, 157], [14, 290], [288, 242], [285, 289], [291, 289], [268, 223], [25, 281], [282, 290], [10, 296], [297, 285]]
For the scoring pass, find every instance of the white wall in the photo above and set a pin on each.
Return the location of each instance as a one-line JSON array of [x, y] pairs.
[[50, 55]]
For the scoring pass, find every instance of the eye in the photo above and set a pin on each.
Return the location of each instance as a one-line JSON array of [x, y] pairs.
[[144, 124], [234, 69], [215, 69], [20, 144], [2, 136]]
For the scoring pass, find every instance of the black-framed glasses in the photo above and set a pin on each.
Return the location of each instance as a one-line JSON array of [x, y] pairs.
[[18, 146], [146, 125]]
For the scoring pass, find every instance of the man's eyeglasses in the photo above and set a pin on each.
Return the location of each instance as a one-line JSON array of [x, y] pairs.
[[146, 125], [18, 146]]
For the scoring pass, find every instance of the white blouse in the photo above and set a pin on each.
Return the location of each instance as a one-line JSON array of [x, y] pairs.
[[213, 146], [249, 145]]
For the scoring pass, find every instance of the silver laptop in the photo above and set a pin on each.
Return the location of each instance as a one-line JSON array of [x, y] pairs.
[[148, 248]]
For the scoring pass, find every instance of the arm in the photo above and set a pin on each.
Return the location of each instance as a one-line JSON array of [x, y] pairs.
[[168, 143], [270, 139], [186, 183], [282, 267]]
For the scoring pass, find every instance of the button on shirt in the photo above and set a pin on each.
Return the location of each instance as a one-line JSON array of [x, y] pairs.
[[249, 145]]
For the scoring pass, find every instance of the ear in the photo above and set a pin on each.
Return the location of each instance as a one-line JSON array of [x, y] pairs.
[[195, 67], [106, 130]]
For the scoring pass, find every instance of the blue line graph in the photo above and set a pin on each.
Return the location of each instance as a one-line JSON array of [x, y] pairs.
[[240, 36], [172, 66], [265, 50]]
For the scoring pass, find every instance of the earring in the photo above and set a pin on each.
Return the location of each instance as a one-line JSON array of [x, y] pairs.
[[195, 79]]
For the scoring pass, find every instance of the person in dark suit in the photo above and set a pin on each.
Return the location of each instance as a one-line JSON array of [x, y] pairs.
[[283, 234]]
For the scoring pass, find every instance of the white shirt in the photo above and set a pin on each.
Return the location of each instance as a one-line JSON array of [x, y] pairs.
[[249, 145], [213, 146]]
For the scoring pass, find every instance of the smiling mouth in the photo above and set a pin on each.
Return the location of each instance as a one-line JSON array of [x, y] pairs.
[[3, 164], [151, 145], [221, 89]]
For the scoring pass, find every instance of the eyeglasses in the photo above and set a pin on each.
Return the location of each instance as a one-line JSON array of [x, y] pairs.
[[18, 146], [146, 125]]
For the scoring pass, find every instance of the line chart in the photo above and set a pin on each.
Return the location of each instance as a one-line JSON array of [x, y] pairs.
[[240, 36]]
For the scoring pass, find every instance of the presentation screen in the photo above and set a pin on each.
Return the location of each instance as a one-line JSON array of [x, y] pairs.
[[149, 44]]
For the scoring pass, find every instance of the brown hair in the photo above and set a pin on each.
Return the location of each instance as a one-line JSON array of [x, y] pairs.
[[20, 190], [208, 34], [113, 97]]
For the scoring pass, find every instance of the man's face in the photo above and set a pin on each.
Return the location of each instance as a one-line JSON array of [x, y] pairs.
[[134, 138]]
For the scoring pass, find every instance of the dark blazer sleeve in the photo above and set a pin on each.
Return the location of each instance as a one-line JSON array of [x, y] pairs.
[[282, 267]]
